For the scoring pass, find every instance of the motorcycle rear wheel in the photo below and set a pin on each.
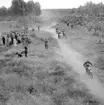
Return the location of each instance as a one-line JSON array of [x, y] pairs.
[[89, 74]]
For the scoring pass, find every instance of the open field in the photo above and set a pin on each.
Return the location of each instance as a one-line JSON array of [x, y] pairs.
[[44, 78]]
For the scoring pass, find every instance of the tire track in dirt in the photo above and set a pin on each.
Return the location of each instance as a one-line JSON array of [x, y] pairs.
[[76, 60]]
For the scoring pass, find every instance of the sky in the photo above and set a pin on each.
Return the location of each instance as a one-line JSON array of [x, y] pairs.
[[54, 4]]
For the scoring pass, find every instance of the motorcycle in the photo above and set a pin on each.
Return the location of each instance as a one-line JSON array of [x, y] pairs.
[[89, 72]]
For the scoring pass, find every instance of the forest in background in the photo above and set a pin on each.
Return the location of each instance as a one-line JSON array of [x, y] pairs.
[[21, 8]]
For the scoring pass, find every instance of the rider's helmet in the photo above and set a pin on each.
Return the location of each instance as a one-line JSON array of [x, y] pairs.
[[87, 64]]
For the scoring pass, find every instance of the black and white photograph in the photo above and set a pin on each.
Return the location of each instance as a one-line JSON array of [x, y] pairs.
[[51, 52]]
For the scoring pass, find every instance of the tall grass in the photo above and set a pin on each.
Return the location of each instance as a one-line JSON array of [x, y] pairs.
[[16, 77]]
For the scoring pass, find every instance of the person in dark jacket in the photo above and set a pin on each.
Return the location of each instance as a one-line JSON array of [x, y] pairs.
[[57, 30], [3, 40], [72, 26], [87, 65], [12, 39], [64, 35], [46, 44], [59, 36], [25, 51]]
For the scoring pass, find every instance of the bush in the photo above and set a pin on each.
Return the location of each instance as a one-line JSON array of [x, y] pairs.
[[4, 94], [58, 73], [41, 75], [76, 93], [11, 83], [100, 63], [19, 67], [3, 63], [90, 100]]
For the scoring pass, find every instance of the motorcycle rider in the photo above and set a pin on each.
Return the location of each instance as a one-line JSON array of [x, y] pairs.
[[88, 66]]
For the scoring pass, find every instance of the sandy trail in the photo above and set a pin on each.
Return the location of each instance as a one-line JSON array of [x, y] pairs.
[[76, 60]]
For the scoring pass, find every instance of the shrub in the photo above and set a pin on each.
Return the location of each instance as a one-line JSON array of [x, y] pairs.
[[4, 95], [58, 73], [19, 67], [59, 99], [41, 75], [90, 100], [100, 63], [3, 63], [75, 93]]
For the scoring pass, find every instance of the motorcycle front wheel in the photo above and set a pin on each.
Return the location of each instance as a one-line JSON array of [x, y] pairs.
[[90, 74]]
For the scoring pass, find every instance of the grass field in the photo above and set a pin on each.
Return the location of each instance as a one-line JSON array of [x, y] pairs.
[[43, 78]]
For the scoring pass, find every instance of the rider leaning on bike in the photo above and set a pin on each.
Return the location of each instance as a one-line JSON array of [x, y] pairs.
[[87, 65]]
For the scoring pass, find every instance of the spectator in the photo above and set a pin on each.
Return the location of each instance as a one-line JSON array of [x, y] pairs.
[[3, 40], [7, 40], [46, 44], [64, 35], [12, 40], [38, 28], [71, 25], [59, 36], [25, 51], [56, 30], [15, 42], [33, 29]]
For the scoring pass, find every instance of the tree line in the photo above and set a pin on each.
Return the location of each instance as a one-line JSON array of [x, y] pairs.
[[89, 8], [21, 8]]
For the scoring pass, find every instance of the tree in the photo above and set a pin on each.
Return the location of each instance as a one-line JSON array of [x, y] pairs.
[[37, 8], [33, 8], [30, 6], [18, 7], [72, 10], [3, 11]]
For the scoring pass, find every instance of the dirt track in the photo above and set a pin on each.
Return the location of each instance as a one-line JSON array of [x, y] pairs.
[[76, 60]]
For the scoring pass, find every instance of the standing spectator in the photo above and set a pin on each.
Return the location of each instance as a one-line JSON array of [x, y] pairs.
[[16, 37], [58, 33], [64, 35], [18, 41], [46, 44], [3, 40], [15, 42], [22, 37], [38, 28], [71, 25], [25, 51], [12, 40], [59, 36], [25, 40], [57, 30], [33, 29], [7, 40]]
